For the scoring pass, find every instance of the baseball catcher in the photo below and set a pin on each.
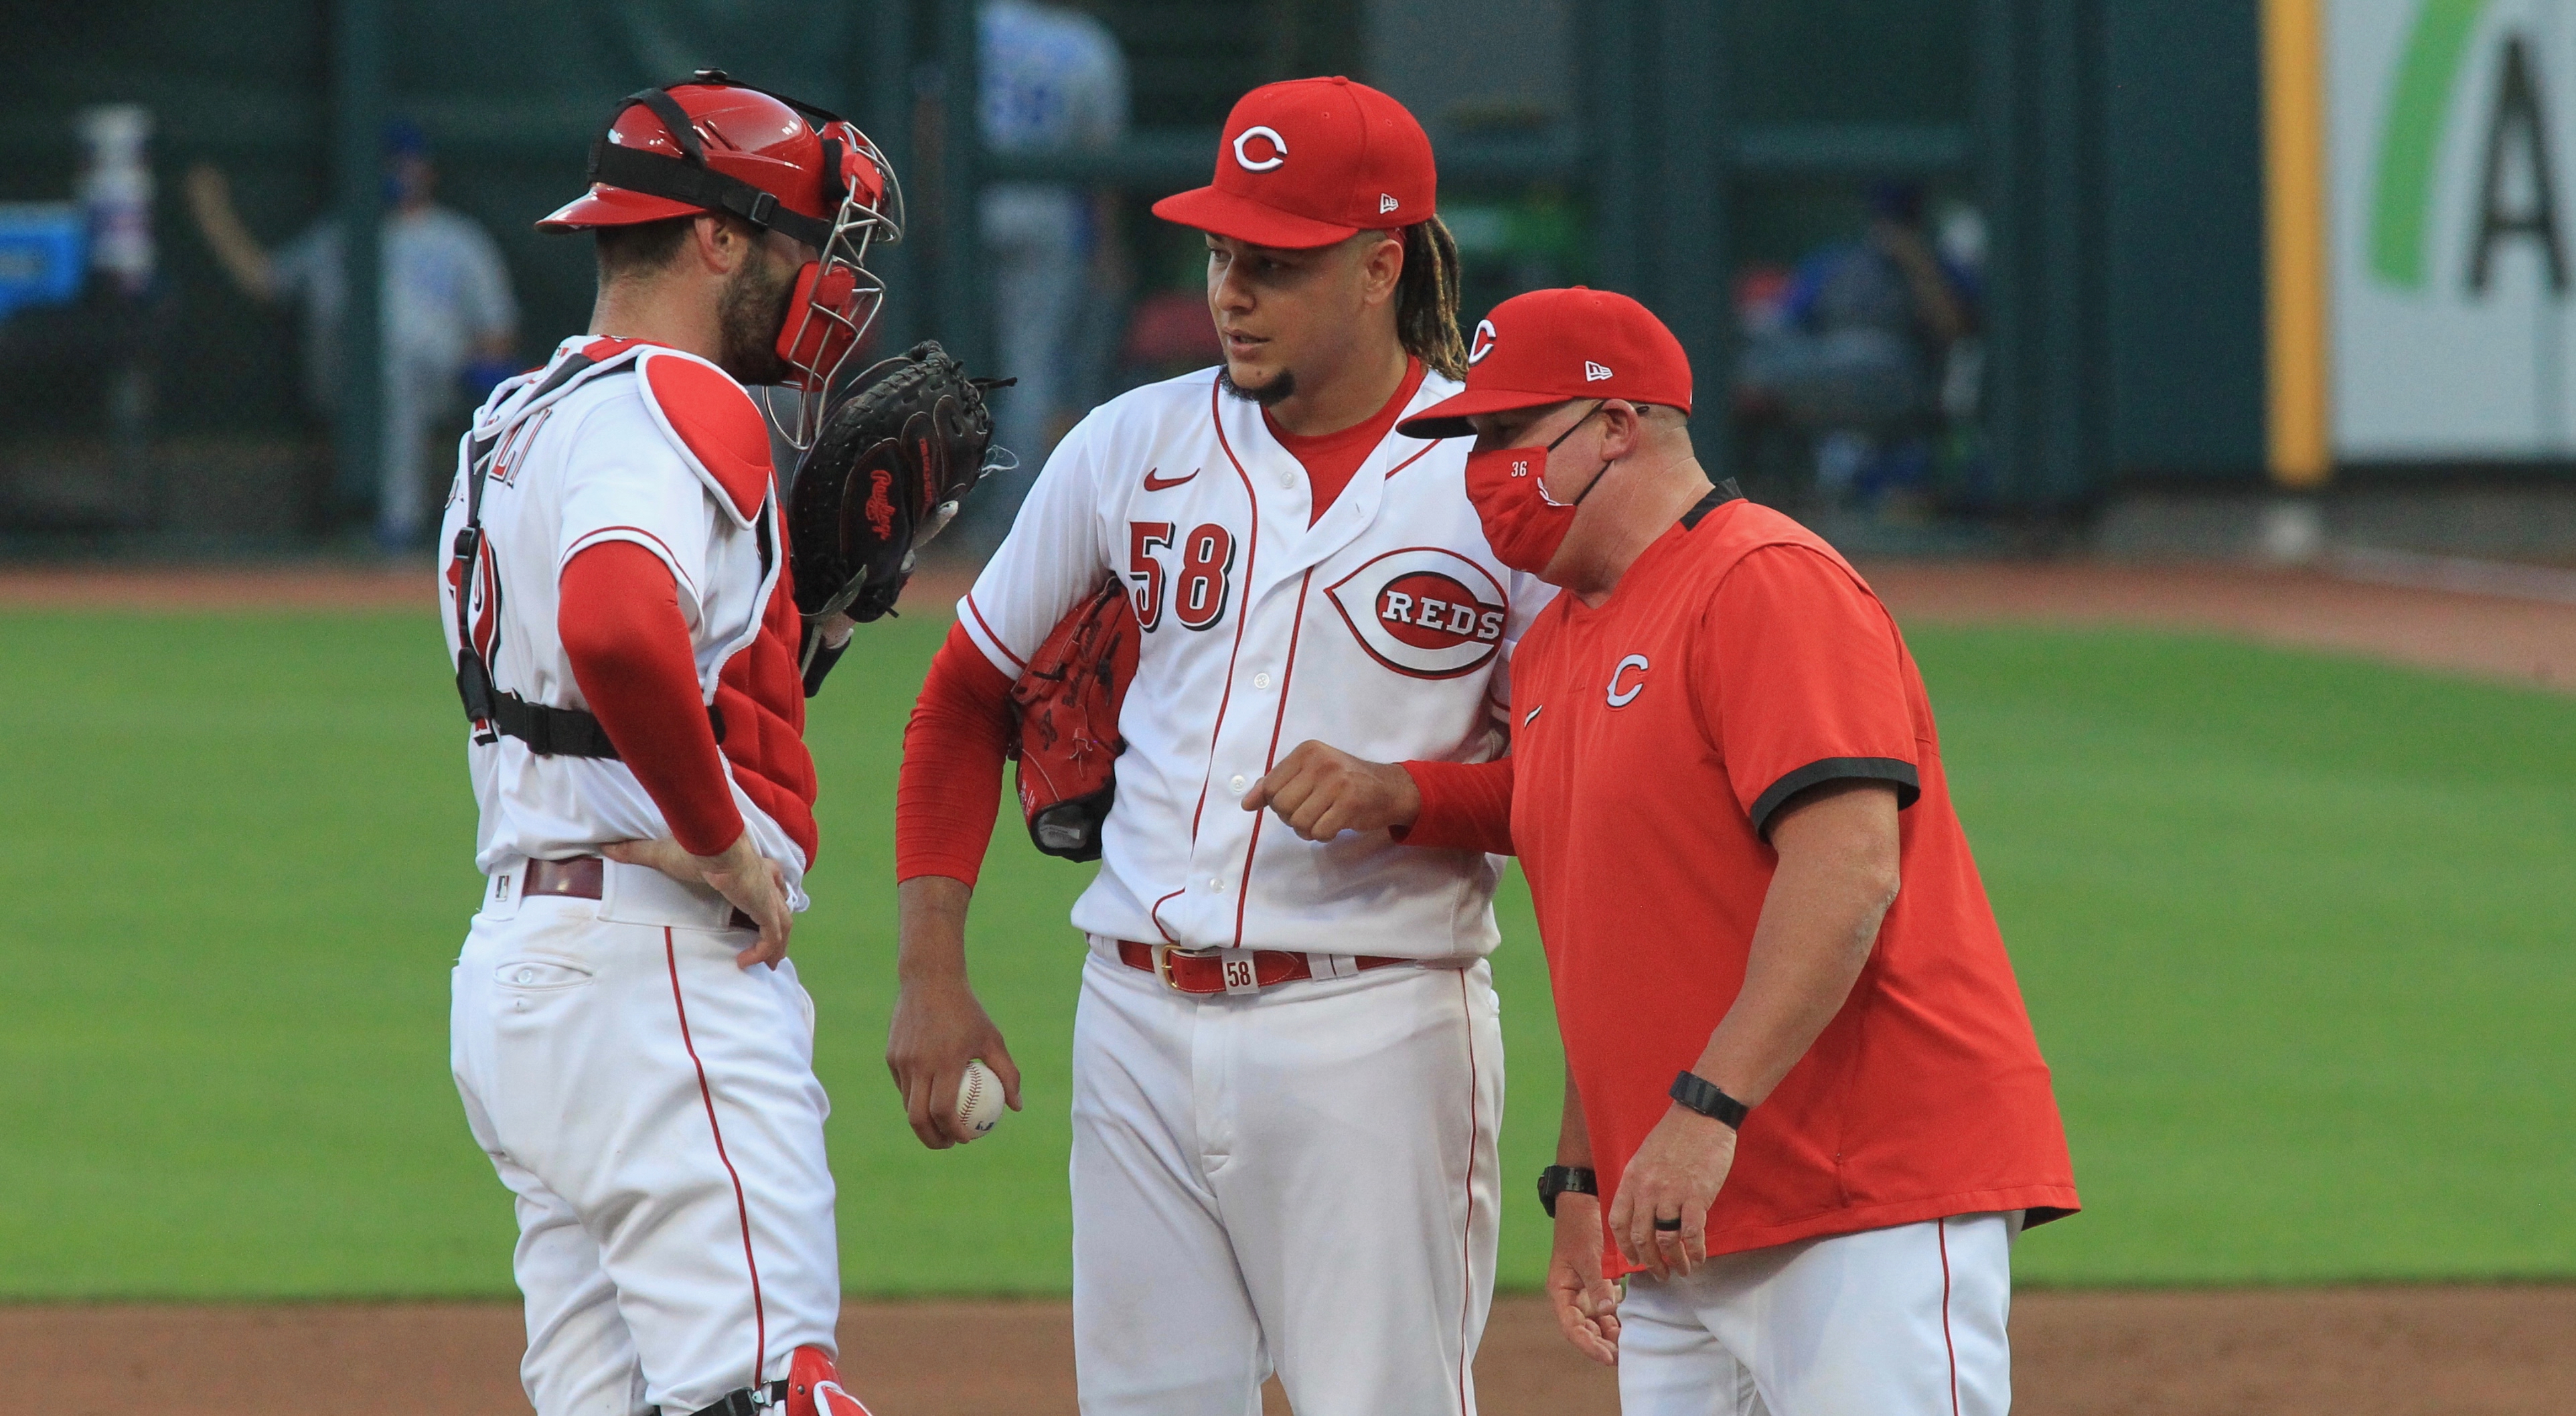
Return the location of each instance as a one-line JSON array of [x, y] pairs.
[[886, 472], [628, 1036]]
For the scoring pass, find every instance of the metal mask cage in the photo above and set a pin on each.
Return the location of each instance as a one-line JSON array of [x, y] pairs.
[[855, 228]]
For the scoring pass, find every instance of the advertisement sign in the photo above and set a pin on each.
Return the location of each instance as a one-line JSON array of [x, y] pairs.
[[2448, 134]]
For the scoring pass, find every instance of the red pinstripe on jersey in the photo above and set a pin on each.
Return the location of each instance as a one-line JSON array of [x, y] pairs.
[[1287, 675], [1251, 553], [741, 1205]]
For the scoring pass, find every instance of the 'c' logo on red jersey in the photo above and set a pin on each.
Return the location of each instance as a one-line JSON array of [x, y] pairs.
[[1424, 612], [1622, 697]]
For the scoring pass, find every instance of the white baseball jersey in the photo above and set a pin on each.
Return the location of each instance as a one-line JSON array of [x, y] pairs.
[[650, 1103], [1385, 629], [630, 449]]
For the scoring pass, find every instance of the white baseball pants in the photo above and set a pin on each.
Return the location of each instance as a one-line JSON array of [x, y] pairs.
[[1300, 1180], [1906, 1321], [653, 1107]]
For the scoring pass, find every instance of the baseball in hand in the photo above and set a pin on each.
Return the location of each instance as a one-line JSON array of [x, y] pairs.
[[979, 1100]]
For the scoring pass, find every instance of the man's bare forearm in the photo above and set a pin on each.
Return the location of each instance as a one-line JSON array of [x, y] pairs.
[[930, 929], [1836, 878], [1573, 1138]]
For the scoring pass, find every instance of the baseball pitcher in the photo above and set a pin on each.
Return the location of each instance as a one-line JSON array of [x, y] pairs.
[[1287, 1072]]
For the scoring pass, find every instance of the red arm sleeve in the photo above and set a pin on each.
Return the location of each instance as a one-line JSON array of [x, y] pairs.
[[953, 749], [618, 613], [1466, 806]]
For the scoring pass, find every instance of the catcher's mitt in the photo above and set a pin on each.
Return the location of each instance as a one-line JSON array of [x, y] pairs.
[[884, 475], [1067, 705]]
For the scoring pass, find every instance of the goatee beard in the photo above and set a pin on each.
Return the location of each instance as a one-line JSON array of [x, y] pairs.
[[751, 315], [1264, 396]]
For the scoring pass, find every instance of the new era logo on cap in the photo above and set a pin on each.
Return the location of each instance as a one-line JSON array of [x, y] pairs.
[[1594, 373], [1385, 203]]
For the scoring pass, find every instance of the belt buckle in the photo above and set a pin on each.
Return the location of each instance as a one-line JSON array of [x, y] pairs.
[[1163, 963]]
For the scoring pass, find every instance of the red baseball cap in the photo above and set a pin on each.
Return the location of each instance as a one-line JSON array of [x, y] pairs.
[[1552, 345], [1309, 162]]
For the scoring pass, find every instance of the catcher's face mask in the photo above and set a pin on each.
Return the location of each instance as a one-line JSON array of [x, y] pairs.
[[837, 297], [1523, 523]]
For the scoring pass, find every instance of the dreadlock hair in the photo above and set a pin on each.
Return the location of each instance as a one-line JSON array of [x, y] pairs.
[[1426, 298]]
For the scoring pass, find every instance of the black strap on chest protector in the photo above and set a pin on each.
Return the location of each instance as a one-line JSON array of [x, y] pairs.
[[497, 713]]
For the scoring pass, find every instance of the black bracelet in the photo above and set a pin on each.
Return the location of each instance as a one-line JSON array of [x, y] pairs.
[[1564, 1180], [1701, 1095]]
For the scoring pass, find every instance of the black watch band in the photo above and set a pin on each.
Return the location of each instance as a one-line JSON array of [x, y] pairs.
[[1565, 1179], [1701, 1095]]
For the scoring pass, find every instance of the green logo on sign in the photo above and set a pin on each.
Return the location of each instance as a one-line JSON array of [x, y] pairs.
[[2418, 105]]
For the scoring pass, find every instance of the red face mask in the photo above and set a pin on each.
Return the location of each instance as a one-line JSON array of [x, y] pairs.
[[1523, 523], [821, 322]]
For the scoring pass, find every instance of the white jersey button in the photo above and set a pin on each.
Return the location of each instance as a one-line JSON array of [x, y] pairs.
[[1237, 783], [1217, 884], [1261, 680]]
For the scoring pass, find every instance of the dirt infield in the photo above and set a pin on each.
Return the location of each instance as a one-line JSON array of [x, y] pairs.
[[2461, 1351], [2360, 1352]]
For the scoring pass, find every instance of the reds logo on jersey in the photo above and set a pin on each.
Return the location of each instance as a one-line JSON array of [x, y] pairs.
[[1424, 612]]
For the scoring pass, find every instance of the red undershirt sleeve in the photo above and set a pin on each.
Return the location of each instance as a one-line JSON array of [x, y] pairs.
[[618, 614], [953, 749], [1466, 806]]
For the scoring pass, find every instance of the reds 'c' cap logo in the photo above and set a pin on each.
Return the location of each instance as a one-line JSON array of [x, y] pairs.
[[1423, 612], [1260, 148], [1483, 343]]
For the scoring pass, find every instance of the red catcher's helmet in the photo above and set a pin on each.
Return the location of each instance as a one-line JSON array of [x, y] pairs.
[[714, 145]]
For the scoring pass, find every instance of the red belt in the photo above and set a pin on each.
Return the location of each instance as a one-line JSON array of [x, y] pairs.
[[580, 878], [1187, 972]]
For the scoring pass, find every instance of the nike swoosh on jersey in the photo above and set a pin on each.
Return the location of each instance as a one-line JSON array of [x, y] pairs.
[[1533, 715], [1165, 484]]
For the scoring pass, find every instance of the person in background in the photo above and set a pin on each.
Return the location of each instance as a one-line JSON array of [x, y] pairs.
[[1053, 80], [1864, 347], [450, 325]]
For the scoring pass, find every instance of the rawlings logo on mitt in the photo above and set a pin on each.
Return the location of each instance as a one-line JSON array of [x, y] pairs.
[[884, 476]]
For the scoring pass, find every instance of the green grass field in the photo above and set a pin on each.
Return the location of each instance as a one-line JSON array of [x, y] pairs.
[[2295, 930]]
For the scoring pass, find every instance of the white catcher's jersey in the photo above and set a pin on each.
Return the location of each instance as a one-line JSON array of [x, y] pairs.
[[607, 456], [1384, 629]]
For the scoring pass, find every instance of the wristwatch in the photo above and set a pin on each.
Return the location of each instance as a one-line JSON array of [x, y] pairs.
[[1563, 1179], [1700, 1094]]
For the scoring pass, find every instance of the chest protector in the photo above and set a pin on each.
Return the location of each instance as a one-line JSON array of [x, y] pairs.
[[758, 713]]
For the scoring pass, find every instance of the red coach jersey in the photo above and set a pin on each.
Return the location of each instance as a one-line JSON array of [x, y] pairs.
[[1737, 662]]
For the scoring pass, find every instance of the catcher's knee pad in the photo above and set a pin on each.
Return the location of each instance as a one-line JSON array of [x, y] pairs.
[[814, 1387]]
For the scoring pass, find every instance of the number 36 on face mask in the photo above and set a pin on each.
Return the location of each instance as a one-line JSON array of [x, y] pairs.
[[1523, 523]]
